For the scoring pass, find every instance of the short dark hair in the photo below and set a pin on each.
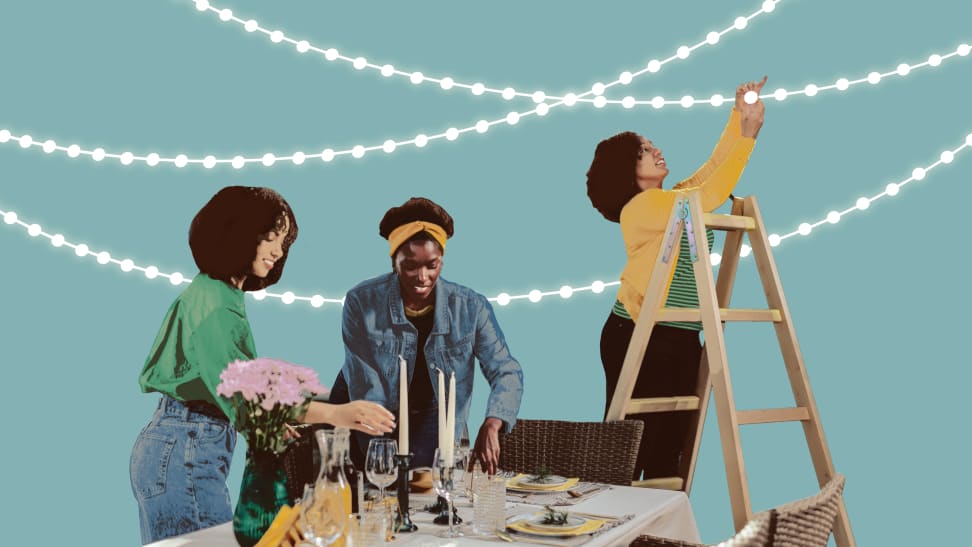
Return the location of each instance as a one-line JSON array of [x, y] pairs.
[[225, 233], [416, 209], [611, 179]]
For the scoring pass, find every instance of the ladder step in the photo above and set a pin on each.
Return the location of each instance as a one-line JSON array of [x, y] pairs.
[[729, 222], [727, 314], [662, 404], [772, 415], [663, 483]]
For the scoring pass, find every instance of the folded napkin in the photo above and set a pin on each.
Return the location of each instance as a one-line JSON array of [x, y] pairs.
[[518, 484]]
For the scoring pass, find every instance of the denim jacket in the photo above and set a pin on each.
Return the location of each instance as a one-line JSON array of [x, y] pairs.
[[376, 332]]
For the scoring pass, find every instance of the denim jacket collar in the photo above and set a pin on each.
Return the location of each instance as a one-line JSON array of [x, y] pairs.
[[396, 306]]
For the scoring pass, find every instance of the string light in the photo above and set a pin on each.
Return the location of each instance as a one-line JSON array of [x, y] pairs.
[[503, 299], [451, 134], [447, 83]]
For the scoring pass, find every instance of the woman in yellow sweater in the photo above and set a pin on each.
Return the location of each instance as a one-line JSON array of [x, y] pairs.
[[624, 184]]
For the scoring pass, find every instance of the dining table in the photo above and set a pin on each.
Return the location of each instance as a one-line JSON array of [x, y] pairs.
[[634, 511]]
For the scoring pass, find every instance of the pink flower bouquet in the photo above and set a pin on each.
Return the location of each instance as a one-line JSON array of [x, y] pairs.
[[268, 394]]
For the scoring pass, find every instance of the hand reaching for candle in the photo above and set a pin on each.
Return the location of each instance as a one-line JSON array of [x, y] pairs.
[[364, 416], [487, 449]]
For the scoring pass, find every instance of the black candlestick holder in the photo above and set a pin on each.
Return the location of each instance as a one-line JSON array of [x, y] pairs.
[[441, 506], [403, 522]]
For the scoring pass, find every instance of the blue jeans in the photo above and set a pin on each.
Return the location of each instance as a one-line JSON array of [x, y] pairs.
[[178, 469]]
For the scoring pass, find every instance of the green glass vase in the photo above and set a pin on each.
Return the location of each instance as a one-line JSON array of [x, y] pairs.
[[263, 492]]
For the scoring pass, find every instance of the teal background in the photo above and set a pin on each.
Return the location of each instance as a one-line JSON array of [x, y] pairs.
[[879, 300]]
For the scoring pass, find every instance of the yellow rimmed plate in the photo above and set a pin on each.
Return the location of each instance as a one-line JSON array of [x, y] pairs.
[[523, 483], [532, 523]]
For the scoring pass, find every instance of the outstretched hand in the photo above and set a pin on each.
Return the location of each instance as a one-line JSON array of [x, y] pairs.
[[364, 416], [751, 114]]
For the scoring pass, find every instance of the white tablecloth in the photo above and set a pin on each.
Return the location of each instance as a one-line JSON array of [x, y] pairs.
[[658, 512]]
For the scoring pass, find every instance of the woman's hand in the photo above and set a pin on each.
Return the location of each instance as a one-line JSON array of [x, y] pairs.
[[364, 416], [487, 449], [752, 114]]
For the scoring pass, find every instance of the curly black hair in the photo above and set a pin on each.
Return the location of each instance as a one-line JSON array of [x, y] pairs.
[[225, 233], [416, 209], [611, 180]]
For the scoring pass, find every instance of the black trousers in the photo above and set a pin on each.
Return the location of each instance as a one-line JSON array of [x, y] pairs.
[[670, 367]]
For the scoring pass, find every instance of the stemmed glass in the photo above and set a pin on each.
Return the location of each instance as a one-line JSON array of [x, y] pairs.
[[322, 515], [447, 474], [380, 465]]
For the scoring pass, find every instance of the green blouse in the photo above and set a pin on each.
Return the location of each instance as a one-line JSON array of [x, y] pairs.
[[205, 330]]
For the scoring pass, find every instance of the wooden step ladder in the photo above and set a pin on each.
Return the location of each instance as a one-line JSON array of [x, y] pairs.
[[713, 311]]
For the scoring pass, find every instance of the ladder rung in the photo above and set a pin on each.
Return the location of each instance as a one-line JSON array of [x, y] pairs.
[[729, 222], [727, 314], [664, 483], [771, 415], [663, 404]]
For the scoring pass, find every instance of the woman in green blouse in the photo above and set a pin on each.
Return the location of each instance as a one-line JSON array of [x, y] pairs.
[[180, 461]]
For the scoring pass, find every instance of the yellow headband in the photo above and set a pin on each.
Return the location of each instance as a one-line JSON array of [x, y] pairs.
[[405, 231]]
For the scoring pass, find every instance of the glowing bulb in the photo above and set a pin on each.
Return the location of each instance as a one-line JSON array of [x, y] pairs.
[[421, 140], [843, 84], [10, 217], [780, 94], [358, 151], [774, 240], [512, 118], [202, 5], [81, 250], [873, 77], [34, 230], [5, 135], [503, 299], [740, 23], [745, 250], [151, 272], [947, 156], [543, 109], [654, 65], [597, 89], [715, 258], [712, 38], [539, 96], [303, 46], [833, 217], [600, 101], [180, 161], [276, 36], [452, 133], [968, 140], [57, 240], [327, 154], [415, 78], [658, 102], [127, 158], [683, 52], [625, 78], [250, 25], [935, 59], [360, 62], [387, 70], [963, 50], [317, 301], [482, 126], [903, 69], [288, 297], [717, 100], [810, 90], [918, 173], [769, 6], [750, 97], [570, 99], [628, 102], [478, 89], [447, 83], [260, 294], [103, 257], [891, 189], [331, 54], [225, 14], [298, 158], [73, 150], [534, 296], [127, 265], [49, 146], [508, 93], [566, 291], [388, 146], [98, 154], [597, 287], [863, 203], [152, 159], [26, 141], [687, 101], [175, 278], [209, 162]]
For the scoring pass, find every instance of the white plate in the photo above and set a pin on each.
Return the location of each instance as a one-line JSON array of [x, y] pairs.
[[551, 480], [535, 522]]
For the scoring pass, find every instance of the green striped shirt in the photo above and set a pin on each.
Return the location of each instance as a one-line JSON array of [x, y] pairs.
[[683, 292]]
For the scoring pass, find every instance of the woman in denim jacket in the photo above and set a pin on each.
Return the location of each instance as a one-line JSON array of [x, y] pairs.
[[398, 313]]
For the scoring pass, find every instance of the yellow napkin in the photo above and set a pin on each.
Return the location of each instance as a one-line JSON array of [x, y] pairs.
[[517, 485], [592, 525]]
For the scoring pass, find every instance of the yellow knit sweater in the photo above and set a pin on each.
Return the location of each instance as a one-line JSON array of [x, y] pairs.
[[644, 218]]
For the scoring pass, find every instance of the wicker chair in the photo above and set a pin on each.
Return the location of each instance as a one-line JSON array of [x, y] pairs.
[[807, 522], [592, 451]]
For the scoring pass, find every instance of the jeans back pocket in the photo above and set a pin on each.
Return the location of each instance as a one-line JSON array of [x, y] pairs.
[[150, 464]]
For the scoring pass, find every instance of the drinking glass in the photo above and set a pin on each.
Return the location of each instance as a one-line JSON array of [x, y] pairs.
[[322, 515], [447, 474], [380, 465]]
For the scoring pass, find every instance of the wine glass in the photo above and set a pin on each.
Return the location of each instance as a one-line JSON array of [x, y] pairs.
[[447, 474], [322, 515], [380, 464]]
